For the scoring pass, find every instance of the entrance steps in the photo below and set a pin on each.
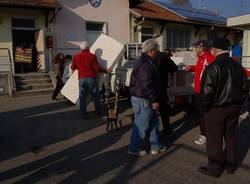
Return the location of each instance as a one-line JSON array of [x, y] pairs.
[[33, 84]]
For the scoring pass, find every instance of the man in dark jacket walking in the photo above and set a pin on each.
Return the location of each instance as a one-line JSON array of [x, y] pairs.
[[224, 87], [145, 89]]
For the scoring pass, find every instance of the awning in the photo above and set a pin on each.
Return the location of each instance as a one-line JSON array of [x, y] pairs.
[[40, 4]]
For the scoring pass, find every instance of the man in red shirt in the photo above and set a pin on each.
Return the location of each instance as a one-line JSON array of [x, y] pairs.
[[87, 65], [204, 59]]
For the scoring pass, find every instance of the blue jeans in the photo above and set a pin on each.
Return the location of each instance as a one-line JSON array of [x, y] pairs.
[[146, 121], [87, 85]]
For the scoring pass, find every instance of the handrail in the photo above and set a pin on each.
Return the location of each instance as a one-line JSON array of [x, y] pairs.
[[11, 65]]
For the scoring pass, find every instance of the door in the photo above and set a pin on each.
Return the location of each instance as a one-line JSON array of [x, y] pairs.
[[40, 47]]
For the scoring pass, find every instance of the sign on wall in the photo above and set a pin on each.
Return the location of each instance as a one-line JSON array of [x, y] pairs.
[[95, 3]]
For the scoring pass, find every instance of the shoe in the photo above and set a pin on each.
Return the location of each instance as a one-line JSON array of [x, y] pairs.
[[138, 153], [167, 131], [203, 170], [157, 151], [201, 140], [245, 115], [231, 170], [85, 116]]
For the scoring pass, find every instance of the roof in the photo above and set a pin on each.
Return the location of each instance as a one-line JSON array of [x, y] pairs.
[[177, 13], [45, 4], [239, 21], [150, 10], [192, 13]]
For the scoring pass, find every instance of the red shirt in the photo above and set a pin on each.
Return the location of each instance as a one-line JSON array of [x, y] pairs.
[[87, 65], [203, 60]]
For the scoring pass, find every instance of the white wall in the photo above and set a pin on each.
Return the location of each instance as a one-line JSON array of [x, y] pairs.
[[70, 27]]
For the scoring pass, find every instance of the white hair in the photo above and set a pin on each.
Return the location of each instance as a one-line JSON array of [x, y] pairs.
[[84, 45], [149, 45]]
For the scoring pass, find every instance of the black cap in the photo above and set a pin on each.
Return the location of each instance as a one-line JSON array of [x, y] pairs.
[[202, 43], [221, 43]]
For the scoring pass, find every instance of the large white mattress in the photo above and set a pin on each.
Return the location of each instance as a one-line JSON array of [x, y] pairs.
[[108, 52]]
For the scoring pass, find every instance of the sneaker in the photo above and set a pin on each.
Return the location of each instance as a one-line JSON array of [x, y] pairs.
[[138, 153], [245, 115], [201, 140], [157, 151]]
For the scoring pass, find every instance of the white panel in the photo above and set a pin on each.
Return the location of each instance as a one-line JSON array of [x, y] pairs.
[[71, 89]]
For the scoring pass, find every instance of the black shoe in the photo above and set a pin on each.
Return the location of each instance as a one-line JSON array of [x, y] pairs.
[[85, 116], [231, 170], [167, 131], [203, 170]]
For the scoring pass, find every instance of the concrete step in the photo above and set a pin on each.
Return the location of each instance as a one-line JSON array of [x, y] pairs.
[[34, 86], [32, 76], [33, 81], [34, 92]]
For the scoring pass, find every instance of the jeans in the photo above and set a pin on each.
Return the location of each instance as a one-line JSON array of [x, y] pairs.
[[145, 122], [87, 85]]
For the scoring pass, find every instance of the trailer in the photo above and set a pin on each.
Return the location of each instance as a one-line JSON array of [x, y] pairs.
[[181, 88]]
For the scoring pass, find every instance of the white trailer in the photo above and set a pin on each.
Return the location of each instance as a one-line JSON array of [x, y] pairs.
[[180, 83]]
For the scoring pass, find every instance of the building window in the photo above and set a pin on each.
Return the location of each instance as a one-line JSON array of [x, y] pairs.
[[94, 26], [146, 33], [93, 30], [178, 39]]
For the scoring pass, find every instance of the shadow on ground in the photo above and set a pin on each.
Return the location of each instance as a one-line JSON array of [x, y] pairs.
[[87, 159], [32, 128], [243, 140]]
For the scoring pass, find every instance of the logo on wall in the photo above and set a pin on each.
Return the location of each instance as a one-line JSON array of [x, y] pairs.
[[95, 3]]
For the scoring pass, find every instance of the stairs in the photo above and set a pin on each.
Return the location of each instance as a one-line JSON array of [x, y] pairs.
[[31, 84]]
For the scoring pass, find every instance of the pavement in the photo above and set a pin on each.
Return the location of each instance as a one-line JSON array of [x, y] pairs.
[[44, 141]]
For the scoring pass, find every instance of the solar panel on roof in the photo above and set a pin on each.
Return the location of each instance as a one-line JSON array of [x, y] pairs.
[[192, 13]]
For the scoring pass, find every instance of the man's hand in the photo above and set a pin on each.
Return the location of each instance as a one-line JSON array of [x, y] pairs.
[[187, 68], [109, 70], [155, 105]]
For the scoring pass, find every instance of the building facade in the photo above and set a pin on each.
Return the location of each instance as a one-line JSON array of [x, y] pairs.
[[83, 20], [243, 23]]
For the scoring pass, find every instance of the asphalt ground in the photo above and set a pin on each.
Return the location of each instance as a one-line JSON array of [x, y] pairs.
[[44, 141]]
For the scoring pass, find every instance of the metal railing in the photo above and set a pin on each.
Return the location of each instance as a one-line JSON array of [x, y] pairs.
[[11, 69]]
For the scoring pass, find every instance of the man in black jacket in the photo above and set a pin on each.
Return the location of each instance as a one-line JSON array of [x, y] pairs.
[[223, 89], [145, 89], [165, 65]]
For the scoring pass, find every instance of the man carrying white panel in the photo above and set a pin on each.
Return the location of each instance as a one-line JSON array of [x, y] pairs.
[[87, 65]]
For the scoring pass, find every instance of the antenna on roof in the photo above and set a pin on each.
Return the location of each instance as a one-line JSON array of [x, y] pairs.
[[199, 4]]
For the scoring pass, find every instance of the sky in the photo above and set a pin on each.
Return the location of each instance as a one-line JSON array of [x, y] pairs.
[[227, 8]]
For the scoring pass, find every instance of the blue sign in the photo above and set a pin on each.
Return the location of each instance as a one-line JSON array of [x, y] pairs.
[[95, 3]]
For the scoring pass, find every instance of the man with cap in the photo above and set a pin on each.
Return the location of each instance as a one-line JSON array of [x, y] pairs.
[[224, 87], [145, 90], [204, 59]]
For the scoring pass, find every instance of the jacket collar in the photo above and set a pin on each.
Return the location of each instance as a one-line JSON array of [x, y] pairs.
[[86, 50], [147, 58], [223, 56]]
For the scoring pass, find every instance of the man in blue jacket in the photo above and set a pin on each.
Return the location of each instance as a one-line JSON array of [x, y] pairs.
[[145, 89]]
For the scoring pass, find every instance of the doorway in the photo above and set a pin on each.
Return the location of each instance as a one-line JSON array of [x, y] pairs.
[[24, 45]]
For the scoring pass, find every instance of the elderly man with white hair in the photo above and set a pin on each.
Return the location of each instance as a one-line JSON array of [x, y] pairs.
[[87, 65], [145, 89]]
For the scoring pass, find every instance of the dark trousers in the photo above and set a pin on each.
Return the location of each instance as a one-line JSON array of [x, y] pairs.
[[164, 112], [222, 123], [59, 85], [199, 109]]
